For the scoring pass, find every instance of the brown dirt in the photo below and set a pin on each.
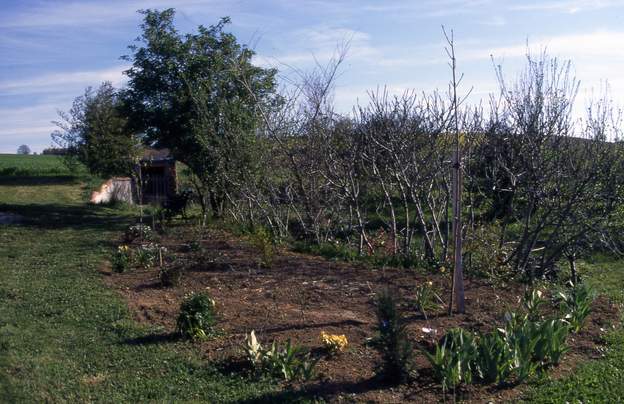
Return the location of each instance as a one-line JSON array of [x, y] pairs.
[[299, 296]]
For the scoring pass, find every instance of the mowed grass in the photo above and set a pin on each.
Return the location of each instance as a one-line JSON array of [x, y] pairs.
[[600, 381], [65, 337]]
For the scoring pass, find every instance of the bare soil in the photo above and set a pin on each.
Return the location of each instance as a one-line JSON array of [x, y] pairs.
[[299, 296]]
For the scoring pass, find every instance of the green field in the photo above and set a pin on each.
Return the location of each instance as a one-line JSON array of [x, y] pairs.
[[29, 165], [65, 337]]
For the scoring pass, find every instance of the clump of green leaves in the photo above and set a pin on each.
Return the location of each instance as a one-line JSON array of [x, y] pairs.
[[148, 255], [535, 345], [197, 316], [290, 362], [533, 300], [575, 304], [426, 299], [453, 359], [139, 231], [495, 359], [171, 275], [551, 345], [395, 348], [521, 336], [263, 242], [121, 258], [527, 344]]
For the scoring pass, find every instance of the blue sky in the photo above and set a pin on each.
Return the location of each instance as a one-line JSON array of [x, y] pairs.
[[51, 50]]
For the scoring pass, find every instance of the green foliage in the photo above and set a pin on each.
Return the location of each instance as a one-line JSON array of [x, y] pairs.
[[171, 274], [262, 241], [453, 359], [334, 251], [535, 344], [551, 345], [147, 255], [522, 337], [485, 255], [395, 348], [197, 94], [139, 231], [13, 165], [120, 260], [23, 149], [197, 316], [533, 300], [95, 133], [495, 359], [426, 298], [575, 304], [290, 362]]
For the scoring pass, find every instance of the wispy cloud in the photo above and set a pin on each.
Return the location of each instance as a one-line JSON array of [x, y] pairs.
[[569, 46], [59, 82], [567, 6]]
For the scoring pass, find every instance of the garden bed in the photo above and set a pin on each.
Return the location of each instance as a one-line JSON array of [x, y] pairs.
[[299, 296]]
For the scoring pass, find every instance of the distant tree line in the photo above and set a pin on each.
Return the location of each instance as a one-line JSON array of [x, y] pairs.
[[541, 187]]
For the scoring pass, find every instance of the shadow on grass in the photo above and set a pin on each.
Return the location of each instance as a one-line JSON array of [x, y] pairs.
[[59, 216], [34, 180], [154, 339]]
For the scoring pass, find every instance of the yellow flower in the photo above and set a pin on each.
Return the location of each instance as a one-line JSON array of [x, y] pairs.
[[334, 343]]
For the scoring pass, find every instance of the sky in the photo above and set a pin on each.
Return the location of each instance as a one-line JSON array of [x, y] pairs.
[[50, 51]]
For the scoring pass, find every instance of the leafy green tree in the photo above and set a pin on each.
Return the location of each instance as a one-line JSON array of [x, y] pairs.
[[185, 93], [95, 133], [23, 149]]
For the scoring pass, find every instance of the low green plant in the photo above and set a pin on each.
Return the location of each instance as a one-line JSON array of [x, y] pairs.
[[148, 255], [290, 362], [521, 337], [121, 258], [395, 348], [263, 241], [426, 298], [495, 359], [575, 304], [139, 231], [171, 274], [551, 344], [453, 359], [197, 316], [532, 302]]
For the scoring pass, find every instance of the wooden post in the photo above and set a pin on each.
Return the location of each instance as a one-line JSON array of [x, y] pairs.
[[457, 283], [458, 273]]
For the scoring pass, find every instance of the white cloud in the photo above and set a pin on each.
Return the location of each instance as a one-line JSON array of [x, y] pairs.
[[569, 46], [27, 125], [60, 82], [567, 6]]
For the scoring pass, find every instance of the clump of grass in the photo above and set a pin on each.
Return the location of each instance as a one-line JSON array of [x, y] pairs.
[[197, 316], [393, 343]]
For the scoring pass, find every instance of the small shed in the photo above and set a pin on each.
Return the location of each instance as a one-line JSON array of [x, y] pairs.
[[158, 176]]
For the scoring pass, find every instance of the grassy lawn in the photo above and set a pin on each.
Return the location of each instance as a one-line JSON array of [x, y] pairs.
[[597, 381], [64, 337]]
